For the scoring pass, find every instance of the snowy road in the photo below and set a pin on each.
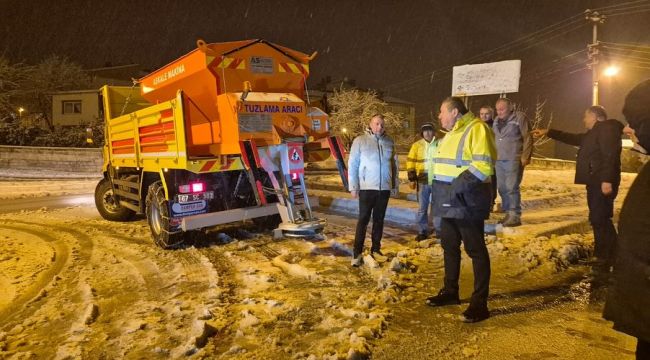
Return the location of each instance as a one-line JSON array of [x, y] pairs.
[[77, 286], [54, 202]]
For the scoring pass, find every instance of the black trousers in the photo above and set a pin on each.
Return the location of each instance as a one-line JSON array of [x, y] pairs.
[[601, 211], [471, 233], [371, 202], [642, 349], [493, 187]]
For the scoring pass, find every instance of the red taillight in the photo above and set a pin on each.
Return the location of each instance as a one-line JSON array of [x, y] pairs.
[[195, 188]]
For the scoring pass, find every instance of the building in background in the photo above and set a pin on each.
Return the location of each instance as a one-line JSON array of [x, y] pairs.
[[82, 107], [75, 108], [406, 108]]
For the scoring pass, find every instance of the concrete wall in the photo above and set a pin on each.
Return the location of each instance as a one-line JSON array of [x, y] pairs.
[[77, 160]]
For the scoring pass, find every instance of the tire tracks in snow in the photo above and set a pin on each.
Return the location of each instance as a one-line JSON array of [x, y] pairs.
[[59, 260], [159, 307], [64, 292]]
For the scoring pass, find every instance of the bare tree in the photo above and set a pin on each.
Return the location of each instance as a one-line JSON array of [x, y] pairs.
[[51, 75], [11, 78], [352, 110], [540, 122]]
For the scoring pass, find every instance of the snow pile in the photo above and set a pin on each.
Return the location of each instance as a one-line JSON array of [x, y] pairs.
[[299, 291], [557, 251], [289, 264]]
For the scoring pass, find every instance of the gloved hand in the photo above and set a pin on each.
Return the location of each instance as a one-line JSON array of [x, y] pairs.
[[412, 175]]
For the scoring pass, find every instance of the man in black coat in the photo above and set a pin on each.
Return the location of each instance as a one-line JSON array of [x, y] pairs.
[[628, 299], [598, 166]]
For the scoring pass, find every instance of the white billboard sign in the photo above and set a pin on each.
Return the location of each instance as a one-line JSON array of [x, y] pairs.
[[484, 79]]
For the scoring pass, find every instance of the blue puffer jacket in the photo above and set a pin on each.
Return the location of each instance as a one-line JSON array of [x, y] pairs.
[[373, 163]]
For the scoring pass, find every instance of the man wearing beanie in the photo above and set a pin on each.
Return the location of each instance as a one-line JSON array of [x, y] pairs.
[[418, 167]]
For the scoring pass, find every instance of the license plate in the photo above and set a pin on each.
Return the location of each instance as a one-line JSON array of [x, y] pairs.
[[188, 198]]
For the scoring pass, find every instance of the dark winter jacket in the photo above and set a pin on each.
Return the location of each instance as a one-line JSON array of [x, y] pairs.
[[628, 299], [599, 155], [513, 139]]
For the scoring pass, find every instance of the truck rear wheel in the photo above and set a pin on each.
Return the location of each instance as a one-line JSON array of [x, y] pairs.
[[157, 210], [107, 204]]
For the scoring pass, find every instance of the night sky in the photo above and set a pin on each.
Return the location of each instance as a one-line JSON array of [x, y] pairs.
[[389, 45]]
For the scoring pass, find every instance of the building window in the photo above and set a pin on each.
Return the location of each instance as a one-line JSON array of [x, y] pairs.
[[71, 107]]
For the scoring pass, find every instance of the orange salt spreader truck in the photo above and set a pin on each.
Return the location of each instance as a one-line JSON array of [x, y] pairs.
[[219, 135]]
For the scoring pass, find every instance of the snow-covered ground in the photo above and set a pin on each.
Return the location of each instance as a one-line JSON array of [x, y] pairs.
[[77, 286]]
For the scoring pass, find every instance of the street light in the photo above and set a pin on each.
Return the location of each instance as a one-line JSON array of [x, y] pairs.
[[611, 71], [345, 130], [20, 112]]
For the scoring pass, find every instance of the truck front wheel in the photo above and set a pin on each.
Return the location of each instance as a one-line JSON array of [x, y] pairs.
[[157, 210], [108, 205]]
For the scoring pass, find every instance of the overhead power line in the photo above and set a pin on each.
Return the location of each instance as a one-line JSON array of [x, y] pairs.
[[550, 32], [626, 45], [626, 55], [629, 3], [614, 10], [526, 42]]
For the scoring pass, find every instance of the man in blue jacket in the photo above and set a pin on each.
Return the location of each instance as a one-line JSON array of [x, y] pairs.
[[514, 149], [372, 175]]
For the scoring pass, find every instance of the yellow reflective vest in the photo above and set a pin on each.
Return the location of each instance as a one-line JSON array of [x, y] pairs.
[[461, 171], [468, 146], [419, 163]]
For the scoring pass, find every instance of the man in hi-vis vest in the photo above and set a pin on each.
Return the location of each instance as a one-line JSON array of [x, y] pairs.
[[419, 164], [462, 168]]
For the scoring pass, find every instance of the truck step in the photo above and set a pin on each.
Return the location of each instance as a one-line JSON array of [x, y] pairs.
[[126, 194], [126, 183], [130, 206]]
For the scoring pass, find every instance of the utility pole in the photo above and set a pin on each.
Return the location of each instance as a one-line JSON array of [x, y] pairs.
[[593, 52]]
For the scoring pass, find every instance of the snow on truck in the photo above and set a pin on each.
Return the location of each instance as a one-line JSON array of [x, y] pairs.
[[219, 135]]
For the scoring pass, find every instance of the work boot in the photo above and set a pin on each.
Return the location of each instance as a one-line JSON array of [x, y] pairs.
[[504, 219], [357, 261], [497, 209], [444, 297], [477, 311], [378, 256], [421, 236], [600, 273], [512, 221]]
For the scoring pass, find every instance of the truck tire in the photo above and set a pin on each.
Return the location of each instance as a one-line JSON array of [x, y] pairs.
[[157, 211], [108, 208]]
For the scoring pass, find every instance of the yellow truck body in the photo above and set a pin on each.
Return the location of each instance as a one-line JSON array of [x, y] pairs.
[[219, 135]]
